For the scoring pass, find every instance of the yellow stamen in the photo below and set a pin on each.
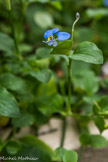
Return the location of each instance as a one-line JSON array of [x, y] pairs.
[[49, 38]]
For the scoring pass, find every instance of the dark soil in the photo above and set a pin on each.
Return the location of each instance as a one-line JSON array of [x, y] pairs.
[[94, 155]]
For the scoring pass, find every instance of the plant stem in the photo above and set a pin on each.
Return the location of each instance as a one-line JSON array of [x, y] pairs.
[[69, 85], [69, 79], [8, 4], [63, 132], [23, 9], [80, 153]]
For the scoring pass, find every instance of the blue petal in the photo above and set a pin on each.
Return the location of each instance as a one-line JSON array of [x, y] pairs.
[[61, 36], [48, 33], [54, 43], [50, 43]]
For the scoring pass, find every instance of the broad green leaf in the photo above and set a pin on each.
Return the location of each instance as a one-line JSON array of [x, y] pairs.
[[41, 75], [100, 123], [98, 141], [13, 147], [59, 153], [6, 44], [12, 82], [85, 139], [25, 119], [63, 48], [70, 156], [8, 104], [87, 52], [33, 147], [50, 104]]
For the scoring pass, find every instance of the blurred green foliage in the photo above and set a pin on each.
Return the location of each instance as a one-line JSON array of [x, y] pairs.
[[33, 87]]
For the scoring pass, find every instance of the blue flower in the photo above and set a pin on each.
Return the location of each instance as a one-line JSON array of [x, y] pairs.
[[61, 36], [105, 2]]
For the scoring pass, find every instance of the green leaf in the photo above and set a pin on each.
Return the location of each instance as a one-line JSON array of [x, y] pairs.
[[85, 139], [25, 119], [100, 123], [13, 147], [50, 104], [59, 153], [6, 44], [33, 147], [8, 104], [88, 52], [98, 141], [70, 156], [41, 75], [12, 82], [63, 48]]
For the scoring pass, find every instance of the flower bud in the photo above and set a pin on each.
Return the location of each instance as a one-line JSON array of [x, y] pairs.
[[77, 15]]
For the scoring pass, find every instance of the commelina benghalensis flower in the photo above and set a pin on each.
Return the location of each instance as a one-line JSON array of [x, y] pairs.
[[60, 36]]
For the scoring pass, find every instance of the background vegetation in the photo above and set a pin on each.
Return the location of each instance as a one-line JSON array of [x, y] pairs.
[[33, 83]]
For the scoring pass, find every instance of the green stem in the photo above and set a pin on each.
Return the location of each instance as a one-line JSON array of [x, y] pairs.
[[8, 4], [69, 80], [69, 85], [80, 153], [23, 8], [13, 32], [63, 132]]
